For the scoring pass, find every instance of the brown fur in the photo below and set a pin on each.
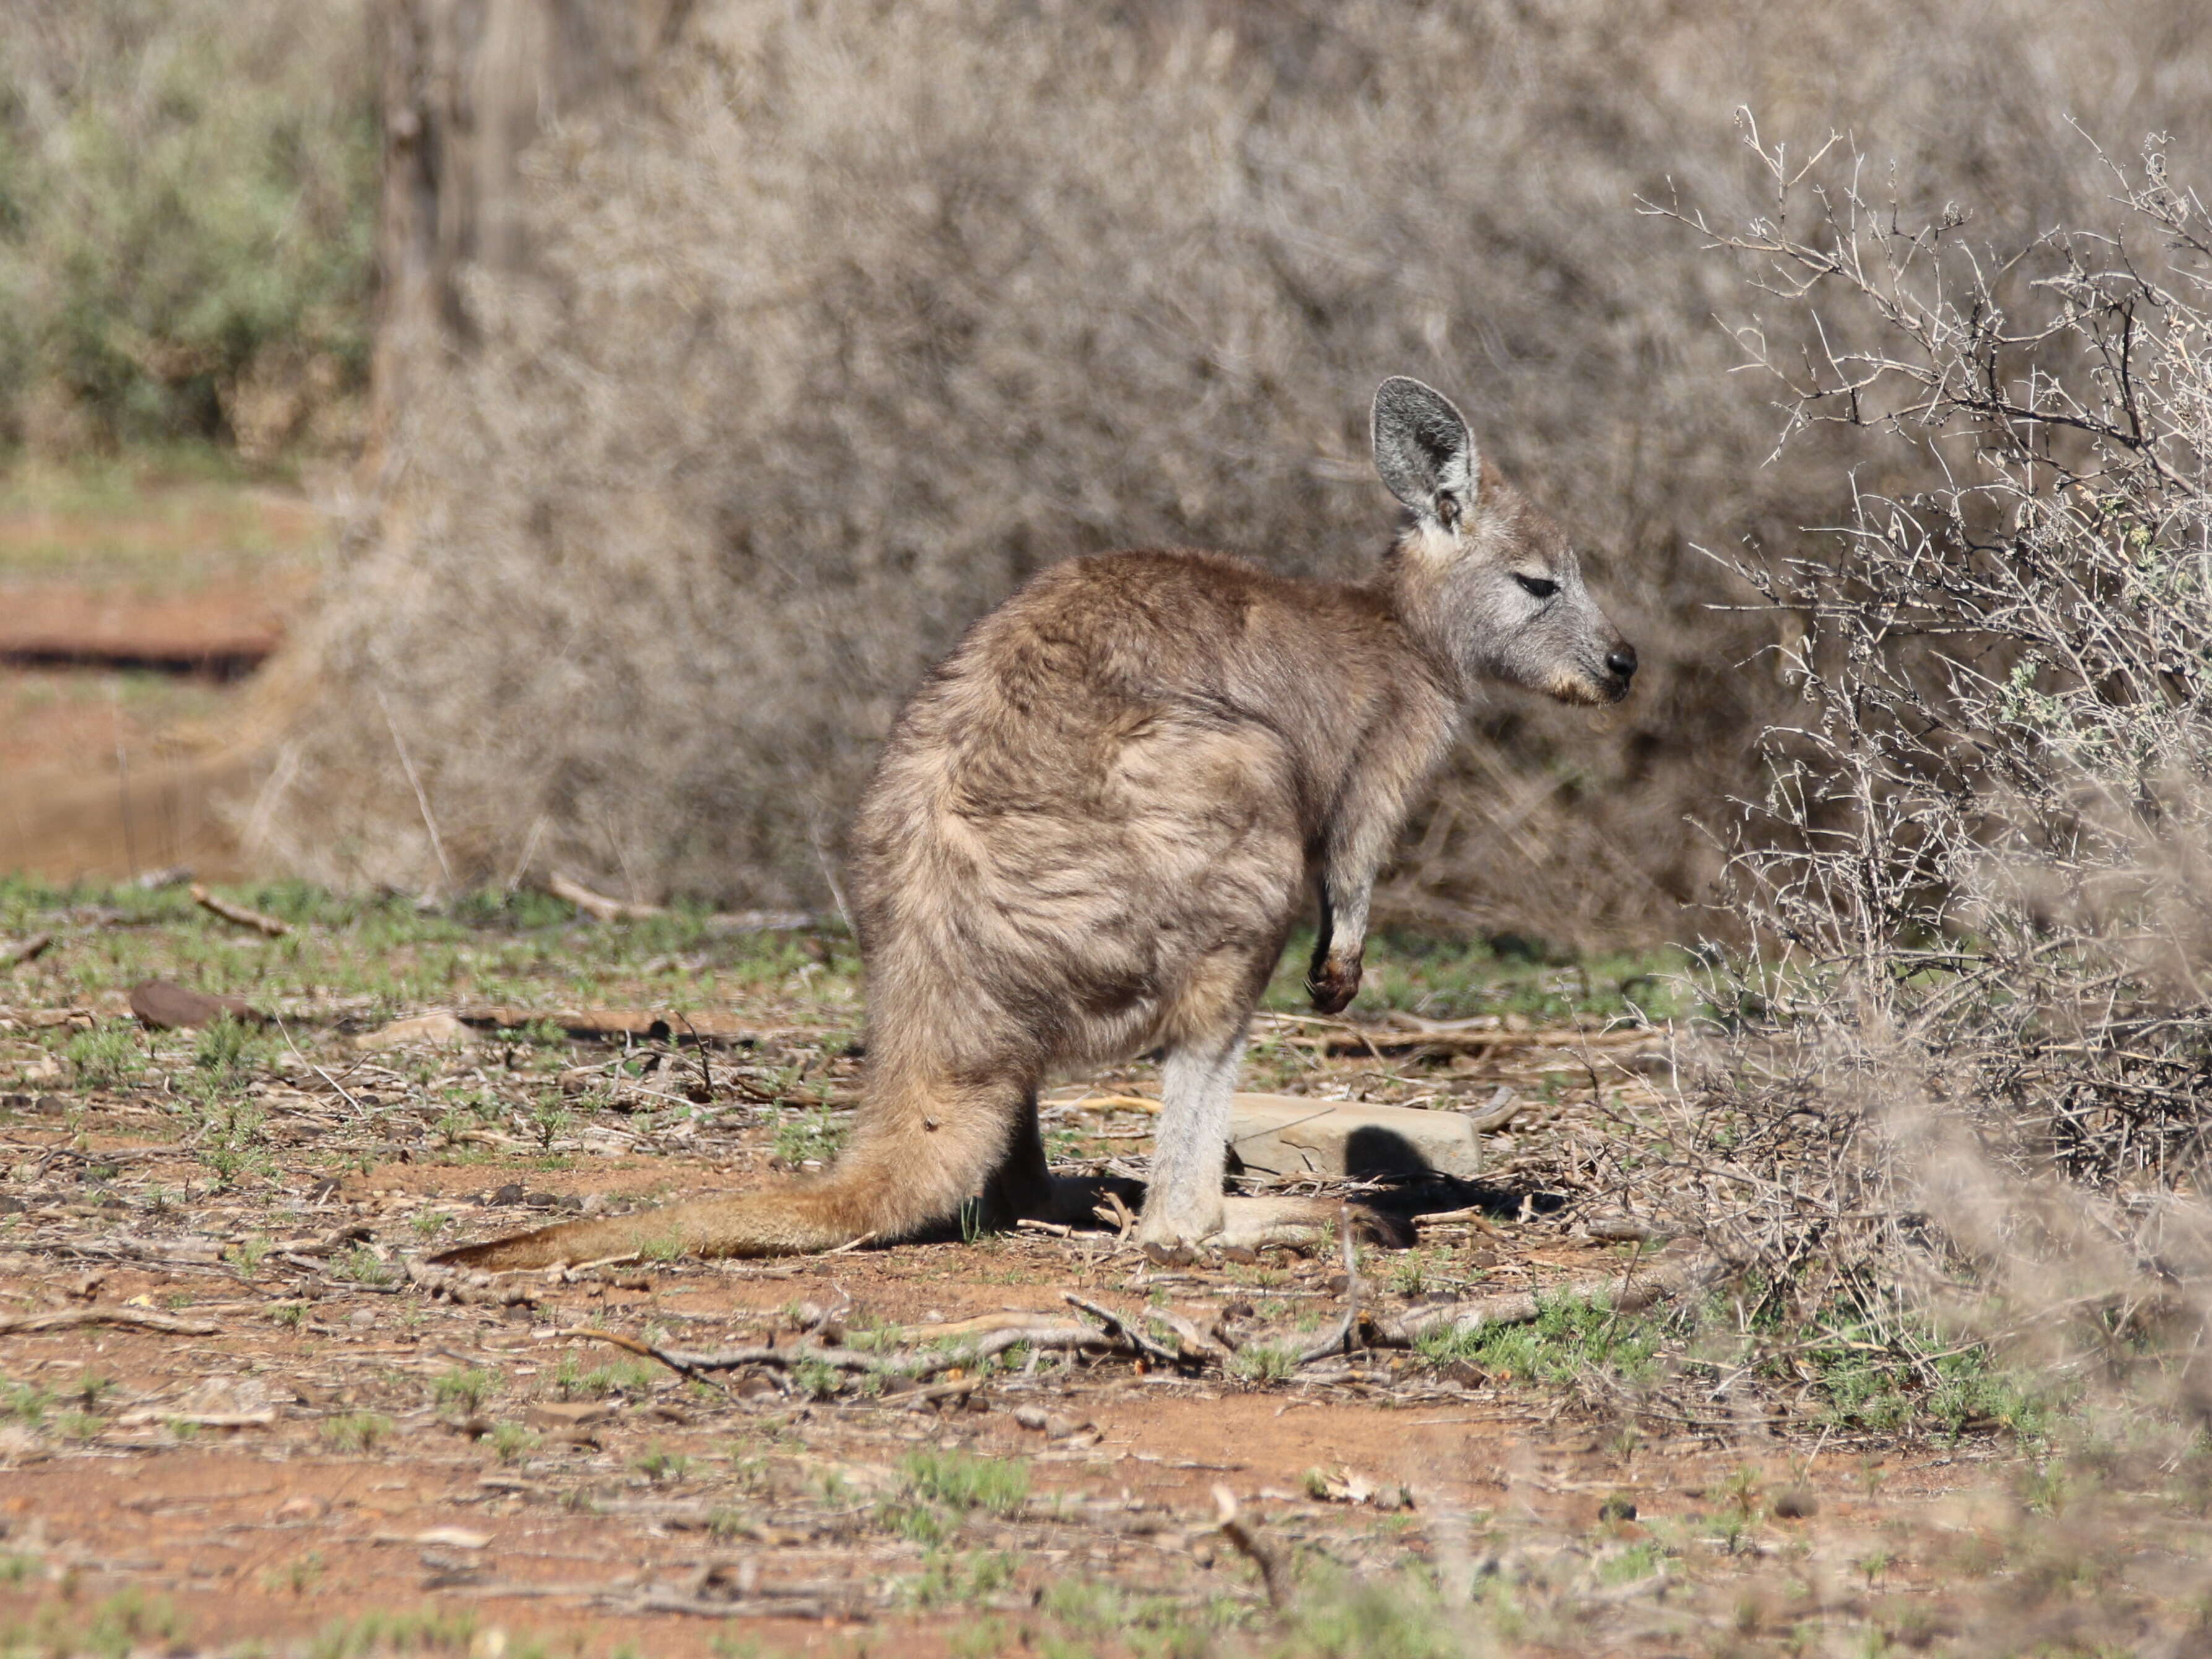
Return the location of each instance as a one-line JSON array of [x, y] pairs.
[[1096, 823]]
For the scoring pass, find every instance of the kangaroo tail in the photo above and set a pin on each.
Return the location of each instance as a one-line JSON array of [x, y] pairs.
[[900, 1177]]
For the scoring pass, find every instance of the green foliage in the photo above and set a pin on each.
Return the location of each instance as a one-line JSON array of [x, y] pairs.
[[427, 1630], [1263, 1361], [357, 1431], [806, 1134], [998, 1484], [465, 1389], [1456, 978], [106, 1056], [187, 195], [1569, 1335], [1341, 1618]]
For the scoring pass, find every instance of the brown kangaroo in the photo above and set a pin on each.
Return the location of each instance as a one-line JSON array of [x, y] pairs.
[[1098, 822]]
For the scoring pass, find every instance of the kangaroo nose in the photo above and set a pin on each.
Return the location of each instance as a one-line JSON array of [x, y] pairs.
[[1621, 660]]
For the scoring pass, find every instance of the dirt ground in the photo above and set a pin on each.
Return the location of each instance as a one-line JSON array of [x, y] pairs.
[[135, 597], [306, 1444], [237, 1416]]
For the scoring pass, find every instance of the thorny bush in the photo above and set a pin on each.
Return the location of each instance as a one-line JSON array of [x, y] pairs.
[[1972, 1055]]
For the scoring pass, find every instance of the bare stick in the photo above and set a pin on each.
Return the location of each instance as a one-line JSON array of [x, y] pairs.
[[71, 1318], [1262, 1553], [421, 800], [28, 950], [598, 904], [1340, 1339], [1125, 1329], [238, 913], [1666, 1277]]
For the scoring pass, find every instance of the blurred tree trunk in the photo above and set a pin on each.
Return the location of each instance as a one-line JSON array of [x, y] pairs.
[[467, 86]]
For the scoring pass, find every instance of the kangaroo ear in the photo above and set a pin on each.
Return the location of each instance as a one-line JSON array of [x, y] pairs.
[[1424, 450]]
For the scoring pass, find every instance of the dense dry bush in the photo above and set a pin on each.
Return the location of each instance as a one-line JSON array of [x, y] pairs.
[[187, 193], [1975, 1050], [878, 309]]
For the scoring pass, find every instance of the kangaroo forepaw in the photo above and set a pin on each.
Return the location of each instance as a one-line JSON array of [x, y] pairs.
[[1331, 982]]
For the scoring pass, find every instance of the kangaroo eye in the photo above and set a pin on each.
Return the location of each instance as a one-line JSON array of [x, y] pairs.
[[1539, 588]]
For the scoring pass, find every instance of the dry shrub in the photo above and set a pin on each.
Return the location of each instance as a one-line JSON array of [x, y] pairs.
[[875, 310], [1970, 1079]]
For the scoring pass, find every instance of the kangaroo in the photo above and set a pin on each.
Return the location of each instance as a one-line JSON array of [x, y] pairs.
[[1096, 823]]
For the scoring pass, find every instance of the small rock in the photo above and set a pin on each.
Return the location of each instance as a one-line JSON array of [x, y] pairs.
[[510, 1193], [362, 1318], [434, 1031], [1616, 1508], [567, 1414], [1795, 1504], [455, 1538], [1291, 1135], [163, 1006]]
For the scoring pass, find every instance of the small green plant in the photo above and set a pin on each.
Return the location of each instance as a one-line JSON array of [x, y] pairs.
[[26, 1404], [106, 1057], [808, 1135], [998, 1484], [464, 1390], [362, 1265], [1569, 1335], [1263, 1361], [512, 1442], [658, 1464], [359, 1432]]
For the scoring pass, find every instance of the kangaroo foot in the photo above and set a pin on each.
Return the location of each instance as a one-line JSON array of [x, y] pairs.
[[1249, 1224]]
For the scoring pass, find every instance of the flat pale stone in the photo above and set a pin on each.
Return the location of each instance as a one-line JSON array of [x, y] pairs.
[[1286, 1134], [440, 1030]]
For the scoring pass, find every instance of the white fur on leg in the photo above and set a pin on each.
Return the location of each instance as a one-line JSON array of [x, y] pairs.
[[1190, 1147]]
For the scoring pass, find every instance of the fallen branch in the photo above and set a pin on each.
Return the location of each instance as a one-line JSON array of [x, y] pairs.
[[1261, 1551], [1668, 1275], [238, 913], [1339, 1341], [25, 950], [910, 1366], [602, 907], [1471, 1217], [1125, 1329], [71, 1318]]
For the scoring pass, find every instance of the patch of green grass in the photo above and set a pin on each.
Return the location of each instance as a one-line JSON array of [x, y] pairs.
[[658, 1464], [361, 1432], [804, 1133], [465, 1389], [427, 1629], [1445, 978], [998, 1484], [106, 1057], [625, 1377], [1570, 1334], [1264, 1362], [950, 1578], [512, 1442]]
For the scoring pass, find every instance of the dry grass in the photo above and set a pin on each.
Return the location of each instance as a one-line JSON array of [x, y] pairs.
[[874, 312]]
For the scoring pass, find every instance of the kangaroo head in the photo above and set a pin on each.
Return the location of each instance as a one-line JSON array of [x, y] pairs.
[[1487, 581]]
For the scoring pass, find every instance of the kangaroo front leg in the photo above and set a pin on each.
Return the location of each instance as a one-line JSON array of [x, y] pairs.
[[1190, 1148], [1333, 976]]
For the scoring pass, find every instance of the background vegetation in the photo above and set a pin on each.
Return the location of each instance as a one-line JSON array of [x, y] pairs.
[[857, 316], [187, 211]]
